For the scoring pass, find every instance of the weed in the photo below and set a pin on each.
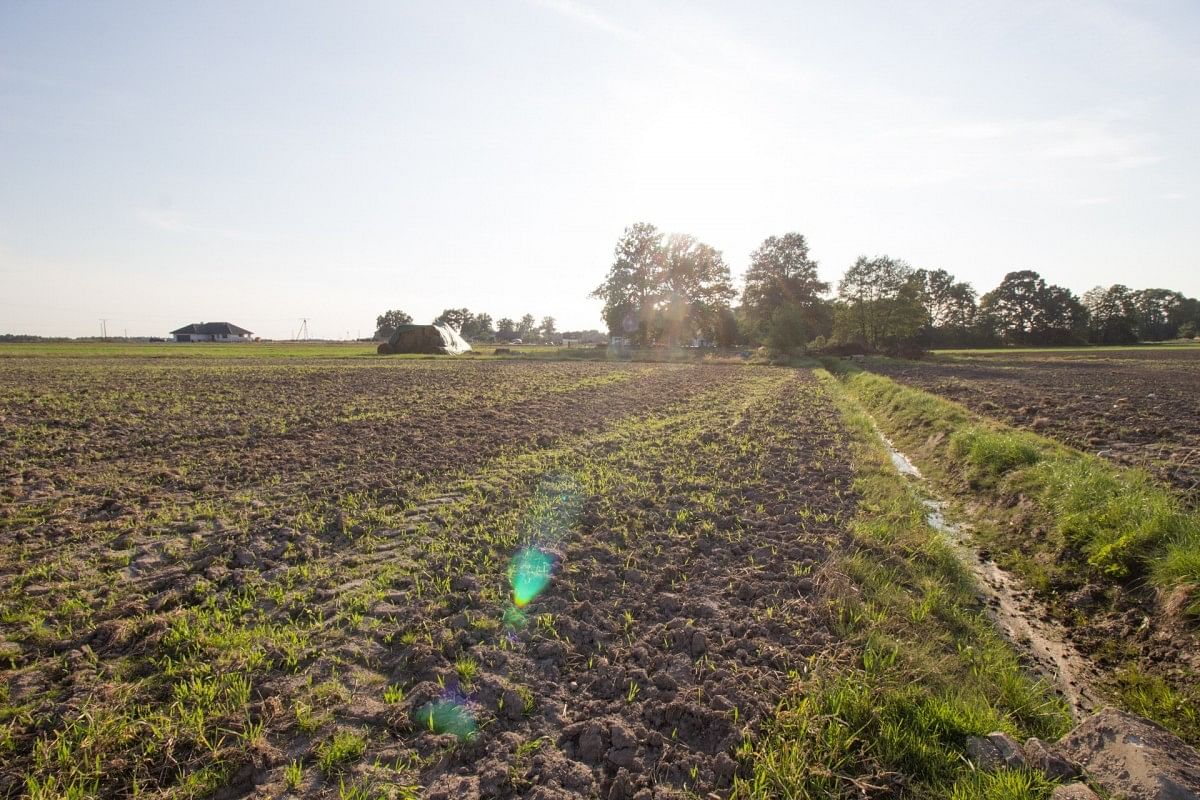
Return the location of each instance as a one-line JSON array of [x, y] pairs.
[[335, 753]]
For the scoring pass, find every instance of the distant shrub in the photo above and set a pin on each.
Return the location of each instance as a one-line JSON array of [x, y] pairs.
[[787, 330], [907, 350], [844, 349]]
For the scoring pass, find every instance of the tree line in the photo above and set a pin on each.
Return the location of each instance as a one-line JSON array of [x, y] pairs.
[[674, 289], [480, 327]]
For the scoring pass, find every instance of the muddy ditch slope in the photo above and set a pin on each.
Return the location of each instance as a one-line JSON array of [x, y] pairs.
[[1136, 408], [262, 580]]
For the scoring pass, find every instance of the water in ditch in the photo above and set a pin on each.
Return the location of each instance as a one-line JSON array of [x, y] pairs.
[[1022, 619]]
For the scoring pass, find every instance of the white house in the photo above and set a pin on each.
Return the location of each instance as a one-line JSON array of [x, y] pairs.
[[212, 332]]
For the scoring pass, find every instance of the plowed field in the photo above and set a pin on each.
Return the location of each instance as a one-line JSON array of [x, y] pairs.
[[1137, 407], [412, 578]]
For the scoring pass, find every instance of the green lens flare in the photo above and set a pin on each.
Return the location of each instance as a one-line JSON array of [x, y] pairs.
[[447, 716], [514, 619], [529, 575]]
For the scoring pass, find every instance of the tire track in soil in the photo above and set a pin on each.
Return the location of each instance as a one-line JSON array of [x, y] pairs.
[[155, 588], [720, 614], [392, 459], [716, 619]]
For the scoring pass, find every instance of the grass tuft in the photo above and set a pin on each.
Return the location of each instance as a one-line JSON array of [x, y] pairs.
[[990, 454], [335, 753]]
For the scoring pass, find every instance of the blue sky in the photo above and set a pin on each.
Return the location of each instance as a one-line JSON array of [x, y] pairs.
[[163, 163]]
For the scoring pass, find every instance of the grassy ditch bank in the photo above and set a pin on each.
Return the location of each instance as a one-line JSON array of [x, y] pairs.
[[922, 667], [1115, 554]]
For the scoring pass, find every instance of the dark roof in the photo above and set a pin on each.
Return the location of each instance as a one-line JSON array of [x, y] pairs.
[[213, 329]]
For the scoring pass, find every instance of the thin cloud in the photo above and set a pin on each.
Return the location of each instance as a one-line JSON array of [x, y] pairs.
[[1066, 139], [737, 58], [173, 222], [587, 16]]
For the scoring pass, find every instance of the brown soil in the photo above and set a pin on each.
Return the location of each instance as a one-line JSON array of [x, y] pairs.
[[328, 531]]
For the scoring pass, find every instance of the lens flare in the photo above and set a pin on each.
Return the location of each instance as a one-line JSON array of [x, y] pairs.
[[447, 715], [529, 574], [515, 619]]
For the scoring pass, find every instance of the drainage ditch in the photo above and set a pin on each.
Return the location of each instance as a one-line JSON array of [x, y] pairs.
[[1024, 621]]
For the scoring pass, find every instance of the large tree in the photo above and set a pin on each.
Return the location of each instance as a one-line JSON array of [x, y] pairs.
[[669, 289], [631, 289], [1112, 314], [879, 303], [781, 273], [526, 327], [1160, 313], [478, 327], [548, 328], [948, 303], [506, 329], [387, 323], [695, 287], [1024, 309]]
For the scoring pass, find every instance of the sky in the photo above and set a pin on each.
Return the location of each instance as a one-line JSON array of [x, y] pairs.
[[265, 162]]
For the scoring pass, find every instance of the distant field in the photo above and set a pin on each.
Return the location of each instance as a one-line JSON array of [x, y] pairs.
[[1136, 406], [1098, 351], [186, 350], [242, 350]]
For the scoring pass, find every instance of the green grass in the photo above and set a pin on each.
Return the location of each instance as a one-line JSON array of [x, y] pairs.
[[336, 753], [1112, 523], [988, 455], [1124, 523], [925, 668], [1088, 521]]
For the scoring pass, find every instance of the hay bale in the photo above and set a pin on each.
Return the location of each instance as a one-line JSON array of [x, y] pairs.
[[385, 349]]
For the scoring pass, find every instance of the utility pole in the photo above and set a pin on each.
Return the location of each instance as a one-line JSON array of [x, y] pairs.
[[104, 330]]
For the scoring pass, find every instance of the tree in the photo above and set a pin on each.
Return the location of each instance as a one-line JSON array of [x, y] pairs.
[[1112, 315], [787, 332], [1160, 312], [387, 323], [781, 273], [526, 327], [454, 317], [506, 330], [950, 308], [1026, 310], [880, 303], [669, 289], [478, 327], [548, 330], [630, 291], [695, 286], [728, 333]]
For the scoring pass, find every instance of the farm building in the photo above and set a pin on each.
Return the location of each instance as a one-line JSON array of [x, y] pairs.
[[212, 332], [430, 339]]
